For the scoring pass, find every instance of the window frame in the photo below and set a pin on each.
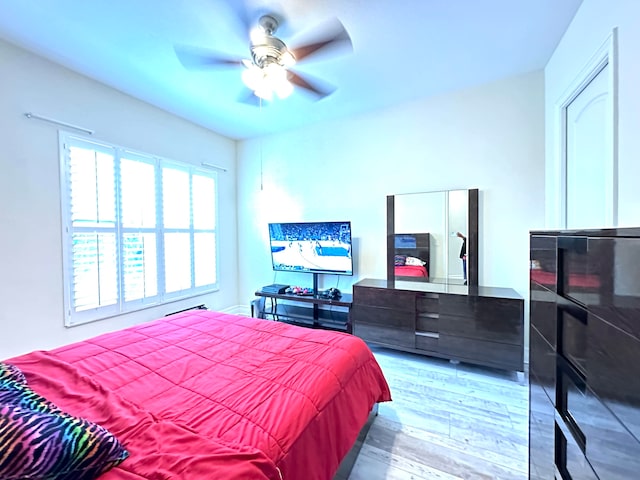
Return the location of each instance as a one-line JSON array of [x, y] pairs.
[[72, 316]]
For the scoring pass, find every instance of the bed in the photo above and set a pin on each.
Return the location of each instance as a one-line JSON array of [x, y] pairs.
[[419, 271], [204, 394]]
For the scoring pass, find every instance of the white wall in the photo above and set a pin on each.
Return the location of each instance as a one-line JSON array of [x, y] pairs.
[[593, 23], [490, 137], [31, 290]]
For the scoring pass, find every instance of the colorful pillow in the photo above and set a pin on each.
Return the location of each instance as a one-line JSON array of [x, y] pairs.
[[54, 446], [20, 395], [400, 260], [10, 373]]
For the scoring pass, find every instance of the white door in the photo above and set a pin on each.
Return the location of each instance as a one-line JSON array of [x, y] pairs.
[[589, 156]]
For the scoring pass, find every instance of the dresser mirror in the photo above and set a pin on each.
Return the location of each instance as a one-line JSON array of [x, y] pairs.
[[426, 232]]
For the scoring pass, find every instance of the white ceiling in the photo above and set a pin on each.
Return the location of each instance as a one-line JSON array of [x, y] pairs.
[[402, 50]]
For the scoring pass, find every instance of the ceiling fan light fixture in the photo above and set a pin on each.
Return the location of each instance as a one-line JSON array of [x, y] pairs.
[[264, 92], [253, 77], [268, 71], [257, 35], [287, 59], [284, 89], [265, 81], [276, 77]]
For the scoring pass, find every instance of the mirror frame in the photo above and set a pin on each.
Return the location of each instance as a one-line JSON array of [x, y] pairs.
[[472, 238]]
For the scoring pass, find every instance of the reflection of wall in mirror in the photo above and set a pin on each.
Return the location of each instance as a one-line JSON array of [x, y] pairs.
[[415, 214]]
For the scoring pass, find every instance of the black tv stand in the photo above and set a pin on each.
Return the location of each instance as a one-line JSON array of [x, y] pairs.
[[311, 311]]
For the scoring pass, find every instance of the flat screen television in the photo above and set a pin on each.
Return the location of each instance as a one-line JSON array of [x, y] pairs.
[[312, 247]]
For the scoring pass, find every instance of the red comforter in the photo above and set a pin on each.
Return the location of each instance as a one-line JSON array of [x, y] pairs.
[[208, 395], [411, 271]]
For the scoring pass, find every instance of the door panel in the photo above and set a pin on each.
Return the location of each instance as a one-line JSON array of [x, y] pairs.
[[588, 140]]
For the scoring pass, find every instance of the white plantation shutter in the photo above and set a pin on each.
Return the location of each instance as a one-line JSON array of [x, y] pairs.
[[92, 205], [204, 202], [95, 279], [205, 251], [204, 217], [177, 261], [138, 230], [176, 207]]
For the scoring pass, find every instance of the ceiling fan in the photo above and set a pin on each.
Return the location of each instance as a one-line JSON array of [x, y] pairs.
[[269, 71]]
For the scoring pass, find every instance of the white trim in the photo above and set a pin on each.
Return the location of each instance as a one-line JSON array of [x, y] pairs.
[[119, 154], [238, 310], [607, 54]]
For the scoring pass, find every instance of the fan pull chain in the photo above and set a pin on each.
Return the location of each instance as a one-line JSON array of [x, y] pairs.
[[261, 156]]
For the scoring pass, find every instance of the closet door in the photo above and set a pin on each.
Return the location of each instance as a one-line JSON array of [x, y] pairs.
[[588, 140]]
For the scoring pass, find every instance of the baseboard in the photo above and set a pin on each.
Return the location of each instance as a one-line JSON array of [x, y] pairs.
[[238, 310]]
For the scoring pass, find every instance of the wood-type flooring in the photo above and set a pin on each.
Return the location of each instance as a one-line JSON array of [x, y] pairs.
[[446, 421]]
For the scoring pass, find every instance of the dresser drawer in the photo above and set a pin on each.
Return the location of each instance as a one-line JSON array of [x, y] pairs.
[[572, 344], [610, 446], [384, 335], [618, 301], [569, 457], [613, 371], [543, 314], [399, 300], [429, 342], [541, 428], [427, 303], [384, 317], [500, 355], [542, 364], [575, 280], [427, 324], [571, 400], [492, 319], [612, 451], [543, 262], [383, 325]]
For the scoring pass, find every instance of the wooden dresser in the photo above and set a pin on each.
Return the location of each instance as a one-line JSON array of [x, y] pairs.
[[480, 325], [584, 420]]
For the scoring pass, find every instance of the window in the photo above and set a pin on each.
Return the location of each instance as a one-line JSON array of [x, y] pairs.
[[137, 230]]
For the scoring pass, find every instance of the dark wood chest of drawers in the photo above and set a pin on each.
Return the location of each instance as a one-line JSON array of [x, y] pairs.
[[478, 325], [584, 420]]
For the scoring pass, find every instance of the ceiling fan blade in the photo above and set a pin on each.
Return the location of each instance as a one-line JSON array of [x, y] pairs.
[[317, 88], [198, 58], [331, 34]]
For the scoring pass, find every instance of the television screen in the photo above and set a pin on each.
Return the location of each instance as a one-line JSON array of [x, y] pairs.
[[320, 247], [405, 241]]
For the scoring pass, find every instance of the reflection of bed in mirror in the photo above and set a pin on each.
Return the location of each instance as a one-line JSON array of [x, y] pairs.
[[412, 256]]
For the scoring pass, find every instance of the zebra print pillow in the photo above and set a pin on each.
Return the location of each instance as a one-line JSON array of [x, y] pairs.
[[20, 395], [10, 373], [40, 441]]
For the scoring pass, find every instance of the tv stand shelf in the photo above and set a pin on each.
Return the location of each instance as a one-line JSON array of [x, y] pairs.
[[307, 311]]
